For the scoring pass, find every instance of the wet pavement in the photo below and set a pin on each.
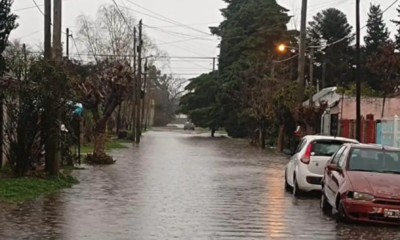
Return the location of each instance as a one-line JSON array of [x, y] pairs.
[[180, 185]]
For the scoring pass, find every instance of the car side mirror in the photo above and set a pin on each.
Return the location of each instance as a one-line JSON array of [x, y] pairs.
[[287, 152], [334, 167]]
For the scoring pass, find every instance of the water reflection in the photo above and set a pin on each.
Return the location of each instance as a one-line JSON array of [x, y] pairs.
[[182, 186]]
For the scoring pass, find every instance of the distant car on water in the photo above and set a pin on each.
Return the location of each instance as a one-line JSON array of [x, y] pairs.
[[188, 126]]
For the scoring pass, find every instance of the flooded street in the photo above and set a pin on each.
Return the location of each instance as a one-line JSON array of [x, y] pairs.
[[179, 185]]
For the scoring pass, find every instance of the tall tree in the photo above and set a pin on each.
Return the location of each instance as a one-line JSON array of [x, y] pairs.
[[385, 64], [7, 24], [377, 32], [200, 102], [377, 36], [327, 27], [250, 32], [397, 23]]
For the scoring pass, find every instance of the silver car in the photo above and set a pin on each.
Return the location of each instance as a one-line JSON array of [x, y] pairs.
[[188, 126]]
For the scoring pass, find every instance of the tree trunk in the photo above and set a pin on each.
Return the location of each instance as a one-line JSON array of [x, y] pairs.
[[99, 144], [212, 132], [383, 106], [280, 140], [262, 136]]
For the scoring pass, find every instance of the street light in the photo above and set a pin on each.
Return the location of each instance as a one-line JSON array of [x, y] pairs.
[[281, 48]]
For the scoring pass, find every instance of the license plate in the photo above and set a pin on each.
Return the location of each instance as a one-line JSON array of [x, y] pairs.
[[391, 213]]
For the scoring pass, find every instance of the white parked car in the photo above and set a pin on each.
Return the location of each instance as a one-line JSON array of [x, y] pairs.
[[306, 167]]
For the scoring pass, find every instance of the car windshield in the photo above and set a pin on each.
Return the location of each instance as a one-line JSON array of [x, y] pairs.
[[374, 160], [325, 147]]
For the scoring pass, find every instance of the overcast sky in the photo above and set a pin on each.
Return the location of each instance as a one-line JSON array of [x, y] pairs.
[[190, 40]]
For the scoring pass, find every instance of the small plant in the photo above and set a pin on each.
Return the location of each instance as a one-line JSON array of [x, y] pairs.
[[103, 159]]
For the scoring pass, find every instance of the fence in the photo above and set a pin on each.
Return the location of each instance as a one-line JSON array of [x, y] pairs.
[[388, 132], [368, 130]]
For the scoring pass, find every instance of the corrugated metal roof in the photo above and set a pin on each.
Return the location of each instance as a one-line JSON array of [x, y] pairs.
[[321, 94]]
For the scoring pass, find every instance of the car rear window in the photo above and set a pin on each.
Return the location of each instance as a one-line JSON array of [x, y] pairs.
[[374, 160], [325, 147]]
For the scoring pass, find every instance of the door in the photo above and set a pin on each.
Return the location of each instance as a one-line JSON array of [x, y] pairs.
[[329, 175], [293, 160], [336, 176], [334, 124], [321, 151]]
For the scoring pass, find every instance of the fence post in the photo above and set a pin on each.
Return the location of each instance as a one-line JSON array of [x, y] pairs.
[[395, 131]]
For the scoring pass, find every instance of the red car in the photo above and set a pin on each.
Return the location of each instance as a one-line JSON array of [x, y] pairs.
[[362, 183]]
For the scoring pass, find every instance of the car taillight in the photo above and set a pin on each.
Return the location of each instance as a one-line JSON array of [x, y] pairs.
[[306, 157]]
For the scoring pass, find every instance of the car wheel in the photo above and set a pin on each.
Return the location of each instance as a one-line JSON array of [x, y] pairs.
[[325, 206], [296, 190], [287, 186], [341, 215]]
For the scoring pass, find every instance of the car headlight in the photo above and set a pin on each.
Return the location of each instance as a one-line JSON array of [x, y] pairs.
[[360, 196]]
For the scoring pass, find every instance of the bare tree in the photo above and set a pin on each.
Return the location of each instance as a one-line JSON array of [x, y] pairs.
[[111, 33], [102, 88]]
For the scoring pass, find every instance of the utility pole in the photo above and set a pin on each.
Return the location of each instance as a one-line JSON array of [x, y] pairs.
[[68, 35], [213, 64], [302, 53], [323, 73], [47, 29], [57, 25], [139, 84], [54, 139], [311, 75], [144, 97], [134, 85], [358, 73], [25, 61], [47, 54]]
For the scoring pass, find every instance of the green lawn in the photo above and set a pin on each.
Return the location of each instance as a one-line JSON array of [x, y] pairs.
[[15, 190], [112, 144]]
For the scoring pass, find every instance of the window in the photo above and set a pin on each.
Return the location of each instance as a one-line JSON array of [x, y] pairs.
[[374, 160], [341, 158], [337, 155], [301, 145], [325, 147]]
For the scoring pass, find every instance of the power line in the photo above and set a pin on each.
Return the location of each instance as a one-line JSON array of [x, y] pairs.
[[168, 19], [120, 12], [37, 6], [76, 47], [195, 24]]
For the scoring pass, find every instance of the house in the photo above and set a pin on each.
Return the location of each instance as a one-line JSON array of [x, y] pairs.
[[341, 107]]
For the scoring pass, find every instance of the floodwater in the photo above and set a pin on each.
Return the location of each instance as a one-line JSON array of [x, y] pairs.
[[181, 185]]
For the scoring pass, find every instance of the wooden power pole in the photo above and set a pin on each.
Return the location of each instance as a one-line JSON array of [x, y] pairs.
[[49, 156], [311, 73], [57, 55], [145, 93], [302, 53], [68, 35], [139, 84], [134, 85], [47, 29], [358, 73]]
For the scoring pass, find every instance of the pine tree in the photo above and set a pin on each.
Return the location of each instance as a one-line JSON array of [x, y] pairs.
[[250, 32], [7, 24], [397, 23], [377, 32], [331, 26], [377, 36]]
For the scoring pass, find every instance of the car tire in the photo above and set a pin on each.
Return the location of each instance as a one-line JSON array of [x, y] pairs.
[[341, 214], [296, 190], [325, 206], [287, 186]]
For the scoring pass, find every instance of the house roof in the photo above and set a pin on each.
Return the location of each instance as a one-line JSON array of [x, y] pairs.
[[319, 95]]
